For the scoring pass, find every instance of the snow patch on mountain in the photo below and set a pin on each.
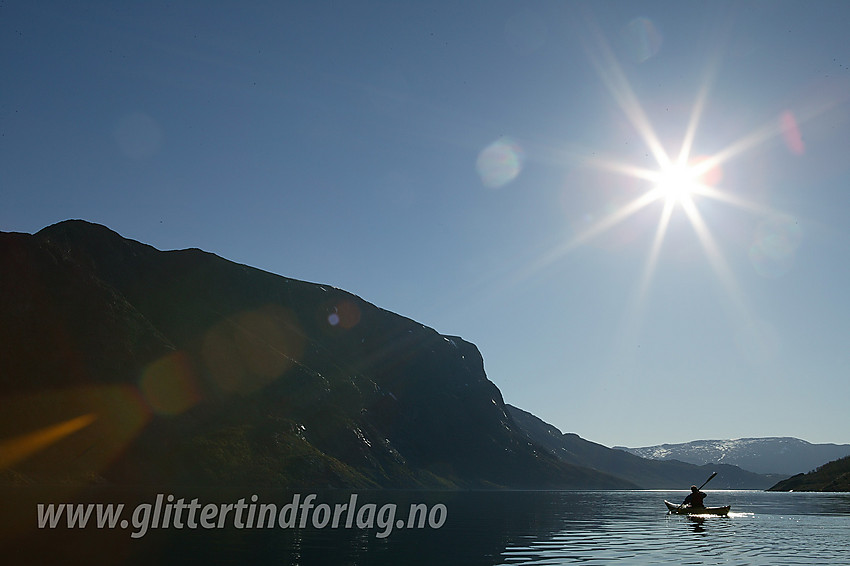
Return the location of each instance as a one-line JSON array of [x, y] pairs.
[[779, 455]]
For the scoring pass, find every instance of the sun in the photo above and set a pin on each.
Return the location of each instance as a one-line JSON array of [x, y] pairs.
[[679, 181], [676, 183]]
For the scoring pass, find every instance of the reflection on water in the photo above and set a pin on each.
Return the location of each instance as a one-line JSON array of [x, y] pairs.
[[482, 528], [767, 528]]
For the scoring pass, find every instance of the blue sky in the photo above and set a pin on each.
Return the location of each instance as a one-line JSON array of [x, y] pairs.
[[490, 169]]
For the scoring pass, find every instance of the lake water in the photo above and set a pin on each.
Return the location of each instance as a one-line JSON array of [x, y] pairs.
[[477, 528]]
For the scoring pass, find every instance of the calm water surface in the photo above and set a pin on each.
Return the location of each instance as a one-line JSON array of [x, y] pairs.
[[481, 528], [763, 528]]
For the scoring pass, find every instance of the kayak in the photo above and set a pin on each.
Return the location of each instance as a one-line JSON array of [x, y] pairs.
[[688, 510]]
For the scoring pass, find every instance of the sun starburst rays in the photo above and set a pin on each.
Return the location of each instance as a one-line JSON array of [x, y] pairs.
[[655, 250], [677, 182], [612, 76]]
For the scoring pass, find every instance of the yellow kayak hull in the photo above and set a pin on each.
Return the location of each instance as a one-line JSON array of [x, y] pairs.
[[688, 510]]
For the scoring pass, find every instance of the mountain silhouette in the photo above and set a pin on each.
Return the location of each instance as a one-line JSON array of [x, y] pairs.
[[124, 364]]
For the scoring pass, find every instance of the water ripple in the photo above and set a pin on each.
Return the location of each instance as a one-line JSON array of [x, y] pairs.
[[624, 529]]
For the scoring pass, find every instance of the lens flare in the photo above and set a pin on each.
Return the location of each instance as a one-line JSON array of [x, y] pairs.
[[249, 350], [643, 39], [775, 246], [169, 384], [19, 448], [344, 314], [70, 431], [791, 133], [500, 163]]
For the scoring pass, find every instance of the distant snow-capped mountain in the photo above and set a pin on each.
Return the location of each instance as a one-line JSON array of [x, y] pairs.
[[780, 455]]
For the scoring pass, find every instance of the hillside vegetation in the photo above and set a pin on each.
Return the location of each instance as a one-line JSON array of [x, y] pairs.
[[834, 476]]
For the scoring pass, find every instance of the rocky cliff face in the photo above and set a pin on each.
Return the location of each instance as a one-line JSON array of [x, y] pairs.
[[122, 363]]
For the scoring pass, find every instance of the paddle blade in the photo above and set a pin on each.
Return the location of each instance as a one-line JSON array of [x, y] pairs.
[[711, 477]]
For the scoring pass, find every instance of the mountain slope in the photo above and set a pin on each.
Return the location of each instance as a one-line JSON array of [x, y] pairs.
[[647, 473], [123, 363], [761, 455], [832, 476]]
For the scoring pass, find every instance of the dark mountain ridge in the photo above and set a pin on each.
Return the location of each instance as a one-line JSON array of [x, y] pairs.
[[832, 476], [126, 364]]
